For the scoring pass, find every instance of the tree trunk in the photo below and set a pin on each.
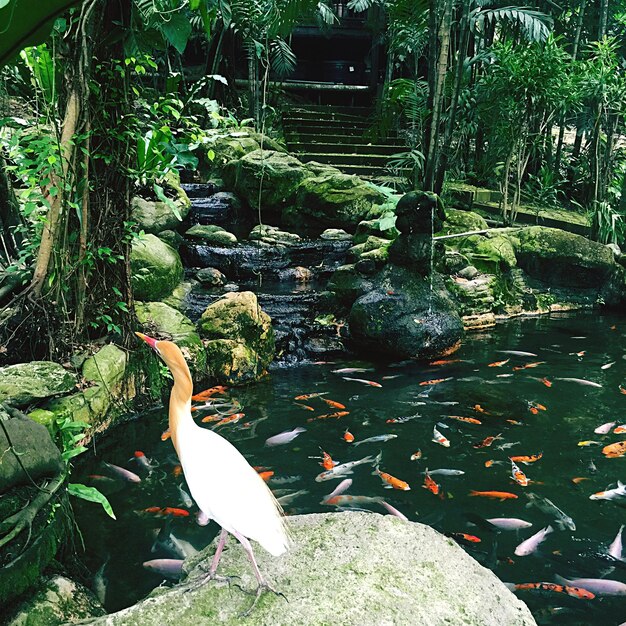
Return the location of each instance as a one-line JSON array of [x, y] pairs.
[[603, 18], [436, 98], [9, 216]]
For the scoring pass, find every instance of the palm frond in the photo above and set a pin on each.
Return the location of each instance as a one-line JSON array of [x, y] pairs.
[[282, 58], [535, 25]]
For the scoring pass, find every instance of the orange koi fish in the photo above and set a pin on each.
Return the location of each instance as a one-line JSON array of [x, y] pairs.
[[514, 422], [614, 450], [434, 381], [308, 396], [305, 406], [491, 463], [622, 390], [546, 382], [327, 462], [207, 393], [468, 420], [430, 484], [466, 537], [618, 430], [518, 476], [416, 456], [266, 475], [165, 435], [211, 418], [348, 436], [335, 405], [444, 362], [579, 479], [581, 353], [168, 510], [498, 363], [231, 418], [391, 482], [487, 441], [526, 459], [479, 409], [575, 592], [496, 495], [177, 470], [328, 416]]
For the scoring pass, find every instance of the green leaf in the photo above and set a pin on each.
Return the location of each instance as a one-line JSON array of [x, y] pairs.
[[91, 494], [26, 23], [387, 222], [177, 31], [70, 454], [158, 190]]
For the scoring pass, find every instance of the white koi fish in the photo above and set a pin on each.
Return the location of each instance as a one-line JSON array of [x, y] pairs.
[[532, 543], [439, 438], [610, 494]]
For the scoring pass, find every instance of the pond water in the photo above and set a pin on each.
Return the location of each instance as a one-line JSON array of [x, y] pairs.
[[511, 400]]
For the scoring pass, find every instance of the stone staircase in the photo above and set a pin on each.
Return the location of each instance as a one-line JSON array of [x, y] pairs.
[[340, 136]]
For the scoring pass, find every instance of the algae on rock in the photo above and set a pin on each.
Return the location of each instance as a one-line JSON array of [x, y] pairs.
[[24, 383], [156, 268]]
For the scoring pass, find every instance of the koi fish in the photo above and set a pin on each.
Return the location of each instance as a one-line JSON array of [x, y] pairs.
[[207, 393], [304, 406], [391, 482], [166, 510], [231, 418], [546, 382], [169, 568], [487, 441], [371, 383], [529, 545], [122, 473], [579, 479], [210, 418], [375, 439], [165, 435], [266, 475], [607, 365], [498, 363], [434, 381], [622, 390], [348, 436], [616, 548], [526, 459], [599, 586], [439, 438], [509, 523], [611, 494], [446, 472], [575, 592], [580, 381], [177, 470], [328, 416], [327, 461], [345, 469], [516, 353], [286, 436], [416, 456], [288, 498], [491, 462], [479, 409], [562, 520], [335, 405], [309, 396], [618, 430], [528, 365], [142, 459], [430, 484], [588, 442], [604, 429], [517, 475], [167, 542], [185, 497], [496, 495], [466, 537], [444, 362], [468, 420], [353, 370], [614, 450], [347, 500]]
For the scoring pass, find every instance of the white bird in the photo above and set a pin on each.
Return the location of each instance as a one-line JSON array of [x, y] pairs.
[[223, 484]]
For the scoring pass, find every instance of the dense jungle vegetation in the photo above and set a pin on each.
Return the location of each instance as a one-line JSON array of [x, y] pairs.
[[528, 99]]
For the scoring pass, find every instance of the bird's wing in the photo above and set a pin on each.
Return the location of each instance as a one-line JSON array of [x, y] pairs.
[[226, 488]]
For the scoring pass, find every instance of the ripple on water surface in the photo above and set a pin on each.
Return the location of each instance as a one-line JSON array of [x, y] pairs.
[[520, 400]]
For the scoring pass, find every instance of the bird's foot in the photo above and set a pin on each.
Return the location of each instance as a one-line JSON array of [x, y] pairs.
[[264, 586], [210, 576]]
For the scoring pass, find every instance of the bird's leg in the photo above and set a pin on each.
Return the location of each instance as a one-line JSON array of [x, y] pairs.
[[263, 584], [211, 575]]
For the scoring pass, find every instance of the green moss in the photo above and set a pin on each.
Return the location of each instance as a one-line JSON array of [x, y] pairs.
[[156, 268]]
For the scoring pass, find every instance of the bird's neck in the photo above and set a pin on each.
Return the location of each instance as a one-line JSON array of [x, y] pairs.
[[180, 401]]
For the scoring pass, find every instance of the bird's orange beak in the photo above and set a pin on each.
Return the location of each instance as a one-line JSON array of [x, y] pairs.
[[149, 340]]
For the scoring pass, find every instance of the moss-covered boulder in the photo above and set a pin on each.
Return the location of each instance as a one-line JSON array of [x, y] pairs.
[[406, 316], [273, 235], [275, 175], [228, 144], [212, 235], [492, 252], [239, 338], [564, 259], [163, 320], [55, 601], [370, 244], [336, 234], [25, 383], [156, 268], [458, 221], [333, 199], [378, 570], [154, 216]]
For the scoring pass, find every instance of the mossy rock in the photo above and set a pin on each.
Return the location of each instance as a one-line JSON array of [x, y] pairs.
[[240, 338], [564, 259], [228, 144], [334, 200], [212, 235], [366, 228], [493, 251], [156, 268], [273, 235], [348, 284], [458, 221], [158, 317], [24, 383], [370, 244], [275, 175], [154, 216], [178, 297]]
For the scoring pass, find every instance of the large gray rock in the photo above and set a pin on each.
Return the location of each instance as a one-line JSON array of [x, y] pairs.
[[212, 235], [29, 448], [156, 268], [352, 569], [24, 383], [56, 601], [406, 316]]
